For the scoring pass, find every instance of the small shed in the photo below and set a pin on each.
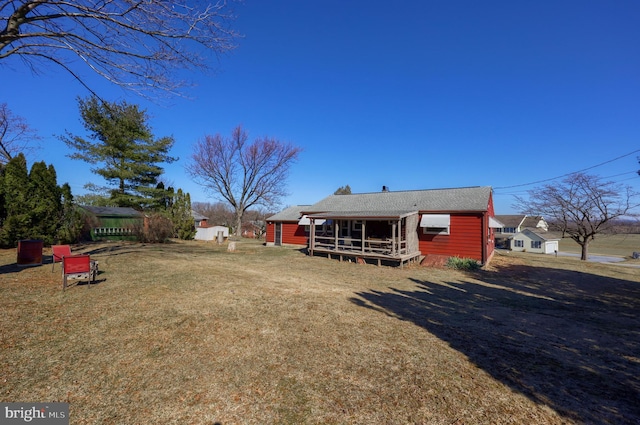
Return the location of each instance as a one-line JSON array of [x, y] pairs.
[[211, 233], [538, 242], [114, 223]]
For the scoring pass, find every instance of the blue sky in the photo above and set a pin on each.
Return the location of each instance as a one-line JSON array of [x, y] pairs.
[[407, 94]]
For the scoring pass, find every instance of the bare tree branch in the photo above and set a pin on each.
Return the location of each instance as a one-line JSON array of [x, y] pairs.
[[138, 45], [582, 206], [15, 135], [244, 174]]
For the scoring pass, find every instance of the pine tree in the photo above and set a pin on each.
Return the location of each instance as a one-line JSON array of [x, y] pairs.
[[17, 222], [71, 220], [181, 216], [45, 204], [123, 148], [31, 205], [343, 190]]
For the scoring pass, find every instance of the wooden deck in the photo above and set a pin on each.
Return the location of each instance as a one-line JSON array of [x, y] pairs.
[[358, 250]]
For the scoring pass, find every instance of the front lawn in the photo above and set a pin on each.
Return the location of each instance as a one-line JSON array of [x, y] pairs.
[[188, 333]]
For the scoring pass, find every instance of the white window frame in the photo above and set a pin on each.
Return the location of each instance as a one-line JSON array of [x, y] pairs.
[[437, 230]]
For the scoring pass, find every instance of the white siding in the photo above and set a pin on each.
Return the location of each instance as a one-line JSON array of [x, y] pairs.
[[210, 233]]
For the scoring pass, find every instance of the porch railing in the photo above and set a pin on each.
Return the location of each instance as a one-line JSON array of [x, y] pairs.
[[375, 246]]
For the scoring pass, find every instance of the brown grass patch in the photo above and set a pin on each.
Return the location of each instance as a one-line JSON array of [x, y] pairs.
[[190, 333]]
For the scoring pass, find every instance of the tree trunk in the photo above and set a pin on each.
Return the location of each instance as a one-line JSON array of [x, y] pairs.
[[238, 223], [585, 250]]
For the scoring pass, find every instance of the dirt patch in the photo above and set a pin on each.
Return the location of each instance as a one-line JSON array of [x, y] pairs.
[[434, 260]]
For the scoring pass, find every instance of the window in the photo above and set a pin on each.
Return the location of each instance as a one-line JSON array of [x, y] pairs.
[[322, 228], [435, 230], [518, 243], [509, 230], [345, 230], [435, 224], [536, 244]]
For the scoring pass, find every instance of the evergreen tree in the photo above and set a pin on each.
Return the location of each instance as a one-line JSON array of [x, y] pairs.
[[71, 220], [183, 222], [343, 190], [3, 210], [162, 198], [123, 148], [17, 221], [31, 205], [44, 202]]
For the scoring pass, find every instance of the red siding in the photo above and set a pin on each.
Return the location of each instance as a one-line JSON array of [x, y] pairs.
[[292, 233], [464, 240], [271, 232]]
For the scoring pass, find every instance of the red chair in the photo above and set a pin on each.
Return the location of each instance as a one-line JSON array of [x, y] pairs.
[[79, 267], [59, 252]]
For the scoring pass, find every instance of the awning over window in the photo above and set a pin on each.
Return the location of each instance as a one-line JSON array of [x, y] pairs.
[[306, 221], [435, 220], [494, 223]]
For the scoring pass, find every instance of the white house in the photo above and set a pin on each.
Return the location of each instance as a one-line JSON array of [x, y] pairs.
[[530, 241]]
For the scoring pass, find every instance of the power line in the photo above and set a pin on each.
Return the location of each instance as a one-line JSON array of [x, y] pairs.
[[568, 174]]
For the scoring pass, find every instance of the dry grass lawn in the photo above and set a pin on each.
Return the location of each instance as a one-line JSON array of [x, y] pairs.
[[623, 245], [188, 333]]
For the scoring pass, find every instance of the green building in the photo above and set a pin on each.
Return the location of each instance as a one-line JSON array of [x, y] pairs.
[[114, 223]]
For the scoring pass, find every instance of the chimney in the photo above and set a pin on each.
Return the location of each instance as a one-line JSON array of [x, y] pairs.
[[385, 189]]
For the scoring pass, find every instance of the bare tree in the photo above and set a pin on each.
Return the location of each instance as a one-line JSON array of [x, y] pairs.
[[15, 135], [581, 206], [243, 174], [218, 213], [132, 43]]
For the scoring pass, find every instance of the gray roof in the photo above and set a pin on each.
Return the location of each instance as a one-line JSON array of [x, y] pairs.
[[542, 235], [292, 213], [197, 216], [363, 214], [404, 202], [511, 220], [112, 211], [531, 221]]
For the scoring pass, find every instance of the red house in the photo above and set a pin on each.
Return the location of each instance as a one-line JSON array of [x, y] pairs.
[[287, 228], [397, 226]]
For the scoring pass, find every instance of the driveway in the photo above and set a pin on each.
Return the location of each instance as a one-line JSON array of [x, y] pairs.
[[596, 258]]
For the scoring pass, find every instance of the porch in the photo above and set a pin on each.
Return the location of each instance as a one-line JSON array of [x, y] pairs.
[[364, 237]]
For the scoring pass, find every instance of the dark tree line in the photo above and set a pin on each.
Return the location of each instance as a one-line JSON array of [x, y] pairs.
[[34, 206]]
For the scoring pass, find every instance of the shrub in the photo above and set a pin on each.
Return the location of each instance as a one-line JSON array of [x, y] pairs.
[[458, 263], [158, 229]]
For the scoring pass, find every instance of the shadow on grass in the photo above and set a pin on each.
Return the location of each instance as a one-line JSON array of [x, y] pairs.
[[15, 268], [565, 339]]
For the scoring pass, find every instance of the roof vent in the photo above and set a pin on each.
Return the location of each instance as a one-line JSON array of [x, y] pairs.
[[385, 188]]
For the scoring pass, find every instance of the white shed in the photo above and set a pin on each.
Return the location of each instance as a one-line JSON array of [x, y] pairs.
[[211, 233], [530, 241]]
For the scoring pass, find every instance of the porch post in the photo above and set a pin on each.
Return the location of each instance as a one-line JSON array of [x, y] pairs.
[[363, 232], [312, 239], [394, 228]]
